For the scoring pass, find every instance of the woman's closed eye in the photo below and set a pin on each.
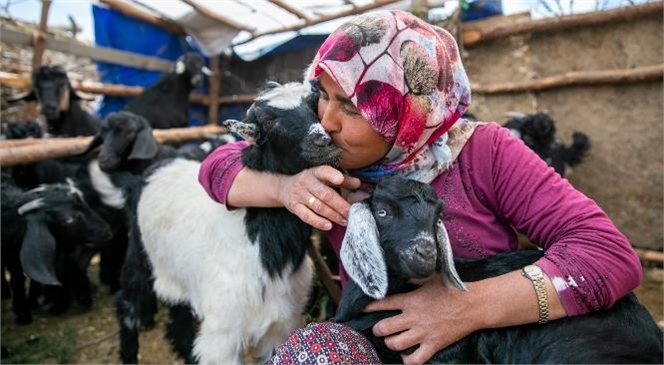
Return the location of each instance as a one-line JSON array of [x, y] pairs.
[[350, 109]]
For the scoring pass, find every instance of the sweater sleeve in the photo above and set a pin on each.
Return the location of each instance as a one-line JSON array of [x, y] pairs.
[[220, 168], [591, 263]]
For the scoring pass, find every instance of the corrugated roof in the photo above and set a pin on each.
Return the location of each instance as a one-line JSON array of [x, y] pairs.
[[256, 26]]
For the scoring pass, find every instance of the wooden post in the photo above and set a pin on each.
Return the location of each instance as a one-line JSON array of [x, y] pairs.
[[39, 42], [215, 81]]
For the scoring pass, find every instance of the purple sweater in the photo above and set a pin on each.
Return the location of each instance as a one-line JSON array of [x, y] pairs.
[[498, 185]]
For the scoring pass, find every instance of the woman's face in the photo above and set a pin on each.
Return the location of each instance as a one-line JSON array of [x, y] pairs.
[[360, 144]]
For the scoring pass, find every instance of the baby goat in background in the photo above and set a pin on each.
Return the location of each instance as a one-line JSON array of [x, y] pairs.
[[538, 132]]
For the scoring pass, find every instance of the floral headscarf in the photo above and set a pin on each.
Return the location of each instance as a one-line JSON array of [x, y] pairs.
[[406, 78]]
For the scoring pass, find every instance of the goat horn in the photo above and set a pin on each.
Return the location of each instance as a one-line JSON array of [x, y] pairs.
[[206, 71], [73, 189], [38, 189], [30, 206], [180, 67]]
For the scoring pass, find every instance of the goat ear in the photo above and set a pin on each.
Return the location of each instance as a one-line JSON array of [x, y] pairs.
[[361, 253], [448, 271], [180, 67], [206, 71], [248, 131], [96, 142], [38, 252], [145, 146]]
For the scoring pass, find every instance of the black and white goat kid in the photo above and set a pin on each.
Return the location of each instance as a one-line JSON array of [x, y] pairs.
[[244, 273], [397, 235]]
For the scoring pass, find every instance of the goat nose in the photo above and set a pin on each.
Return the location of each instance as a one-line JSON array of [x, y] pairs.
[[425, 250], [322, 140], [48, 108]]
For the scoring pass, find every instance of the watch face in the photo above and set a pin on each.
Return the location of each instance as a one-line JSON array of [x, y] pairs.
[[532, 270]]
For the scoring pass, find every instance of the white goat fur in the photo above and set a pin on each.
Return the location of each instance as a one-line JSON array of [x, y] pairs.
[[201, 255]]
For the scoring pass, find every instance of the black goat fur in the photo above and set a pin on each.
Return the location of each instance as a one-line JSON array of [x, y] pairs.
[[165, 104]]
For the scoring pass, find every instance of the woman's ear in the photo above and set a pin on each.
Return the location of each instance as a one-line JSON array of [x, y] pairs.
[[448, 271], [361, 253]]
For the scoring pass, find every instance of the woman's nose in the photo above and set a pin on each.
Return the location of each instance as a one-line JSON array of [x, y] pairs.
[[329, 122]]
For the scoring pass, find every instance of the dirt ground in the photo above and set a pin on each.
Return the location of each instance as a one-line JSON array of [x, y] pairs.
[[94, 335]]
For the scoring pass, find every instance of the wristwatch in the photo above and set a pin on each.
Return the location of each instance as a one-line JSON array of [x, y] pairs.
[[534, 273]]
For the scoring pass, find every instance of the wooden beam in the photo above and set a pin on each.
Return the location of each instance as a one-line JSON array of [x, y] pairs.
[[15, 81], [292, 10], [357, 10], [22, 82], [649, 255], [50, 148], [575, 78], [102, 54], [218, 18], [39, 37], [133, 12], [473, 37]]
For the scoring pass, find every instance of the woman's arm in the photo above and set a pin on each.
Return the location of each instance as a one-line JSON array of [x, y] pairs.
[[226, 180], [590, 262]]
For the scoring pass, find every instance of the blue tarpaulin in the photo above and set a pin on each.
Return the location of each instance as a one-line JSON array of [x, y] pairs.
[[118, 31]]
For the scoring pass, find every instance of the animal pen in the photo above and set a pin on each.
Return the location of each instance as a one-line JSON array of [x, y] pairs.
[[613, 94]]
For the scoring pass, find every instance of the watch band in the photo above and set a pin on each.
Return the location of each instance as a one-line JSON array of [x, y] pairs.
[[534, 273]]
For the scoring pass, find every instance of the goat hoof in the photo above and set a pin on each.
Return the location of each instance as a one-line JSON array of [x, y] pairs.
[[147, 325]]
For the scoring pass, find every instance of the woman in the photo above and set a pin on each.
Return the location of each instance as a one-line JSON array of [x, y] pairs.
[[392, 92]]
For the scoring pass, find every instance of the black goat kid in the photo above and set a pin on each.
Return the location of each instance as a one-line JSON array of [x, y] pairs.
[[43, 232], [165, 104], [127, 144], [60, 104], [397, 235], [538, 132]]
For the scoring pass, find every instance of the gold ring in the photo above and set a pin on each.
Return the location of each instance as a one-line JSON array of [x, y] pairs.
[[311, 201]]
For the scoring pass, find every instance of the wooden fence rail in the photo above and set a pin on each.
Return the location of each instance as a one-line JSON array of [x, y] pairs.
[[49, 148]]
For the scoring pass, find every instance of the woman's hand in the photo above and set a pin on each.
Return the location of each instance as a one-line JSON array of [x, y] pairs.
[[433, 316], [311, 195]]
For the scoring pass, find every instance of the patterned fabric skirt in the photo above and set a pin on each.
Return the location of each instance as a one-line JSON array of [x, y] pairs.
[[325, 343]]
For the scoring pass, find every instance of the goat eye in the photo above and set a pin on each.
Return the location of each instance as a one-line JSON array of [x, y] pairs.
[[381, 213]]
